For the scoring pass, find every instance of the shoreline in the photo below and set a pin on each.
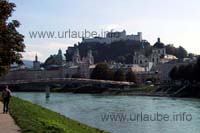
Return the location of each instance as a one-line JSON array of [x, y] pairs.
[[33, 118], [119, 94]]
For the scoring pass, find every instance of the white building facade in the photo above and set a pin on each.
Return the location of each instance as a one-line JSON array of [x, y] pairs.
[[157, 56]]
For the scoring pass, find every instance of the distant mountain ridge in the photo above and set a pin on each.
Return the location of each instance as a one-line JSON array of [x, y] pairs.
[[28, 63]]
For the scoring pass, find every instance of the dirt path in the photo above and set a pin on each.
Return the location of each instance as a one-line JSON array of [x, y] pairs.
[[7, 124]]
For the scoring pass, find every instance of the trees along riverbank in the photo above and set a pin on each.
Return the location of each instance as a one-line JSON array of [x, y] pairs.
[[186, 79]]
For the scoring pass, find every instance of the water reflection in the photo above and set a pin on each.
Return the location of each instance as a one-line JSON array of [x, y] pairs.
[[47, 99]]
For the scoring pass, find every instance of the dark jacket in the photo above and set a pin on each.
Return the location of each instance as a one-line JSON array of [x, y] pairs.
[[6, 93]]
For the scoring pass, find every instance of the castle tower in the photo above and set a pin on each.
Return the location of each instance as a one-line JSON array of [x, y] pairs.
[[140, 36], [36, 63], [159, 51]]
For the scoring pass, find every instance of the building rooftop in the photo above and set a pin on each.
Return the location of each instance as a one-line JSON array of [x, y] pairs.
[[159, 44]]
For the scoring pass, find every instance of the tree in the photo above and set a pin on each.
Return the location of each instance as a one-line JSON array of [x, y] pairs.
[[189, 72], [173, 73], [119, 75], [11, 41], [181, 72], [77, 75], [101, 71], [197, 70], [121, 59], [181, 53], [191, 55], [153, 79], [130, 76]]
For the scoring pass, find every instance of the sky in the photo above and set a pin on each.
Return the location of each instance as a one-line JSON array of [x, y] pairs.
[[176, 22]]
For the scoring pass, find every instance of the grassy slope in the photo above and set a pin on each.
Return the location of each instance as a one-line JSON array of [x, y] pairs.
[[35, 119]]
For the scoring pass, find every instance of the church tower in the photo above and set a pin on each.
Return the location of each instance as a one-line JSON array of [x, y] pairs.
[[36, 63], [59, 57], [76, 57], [158, 52], [90, 57]]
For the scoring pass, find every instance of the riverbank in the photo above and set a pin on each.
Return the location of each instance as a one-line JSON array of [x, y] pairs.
[[142, 90], [32, 118]]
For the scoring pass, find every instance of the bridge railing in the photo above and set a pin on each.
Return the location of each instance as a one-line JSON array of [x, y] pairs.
[[65, 80]]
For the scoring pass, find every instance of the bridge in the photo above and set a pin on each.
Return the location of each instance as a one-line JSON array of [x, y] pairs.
[[66, 83]]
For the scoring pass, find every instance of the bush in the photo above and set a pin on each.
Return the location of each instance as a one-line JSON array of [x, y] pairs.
[[119, 76], [77, 75], [130, 76], [102, 72]]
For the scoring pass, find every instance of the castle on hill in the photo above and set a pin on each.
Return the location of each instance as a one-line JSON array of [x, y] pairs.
[[114, 37]]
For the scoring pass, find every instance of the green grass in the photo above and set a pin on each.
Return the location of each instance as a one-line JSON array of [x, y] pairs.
[[32, 118], [145, 88]]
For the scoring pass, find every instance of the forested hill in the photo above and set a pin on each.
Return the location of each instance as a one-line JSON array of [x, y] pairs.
[[121, 51]]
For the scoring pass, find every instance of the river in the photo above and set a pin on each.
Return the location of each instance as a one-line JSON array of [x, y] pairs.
[[124, 114]]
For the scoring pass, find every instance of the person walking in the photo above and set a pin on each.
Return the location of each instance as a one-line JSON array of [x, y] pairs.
[[6, 95]]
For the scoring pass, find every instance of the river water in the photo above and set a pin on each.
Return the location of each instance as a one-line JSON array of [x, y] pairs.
[[124, 114]]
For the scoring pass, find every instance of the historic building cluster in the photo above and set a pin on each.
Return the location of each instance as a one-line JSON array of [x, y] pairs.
[[157, 56], [158, 62], [142, 64]]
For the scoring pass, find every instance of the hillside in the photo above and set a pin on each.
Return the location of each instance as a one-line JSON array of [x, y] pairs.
[[121, 51]]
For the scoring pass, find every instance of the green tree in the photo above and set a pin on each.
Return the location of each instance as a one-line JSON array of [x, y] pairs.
[[197, 70], [181, 53], [181, 72], [102, 72], [11, 41], [153, 79], [121, 59], [189, 73], [119, 75], [173, 73], [130, 76], [77, 75]]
